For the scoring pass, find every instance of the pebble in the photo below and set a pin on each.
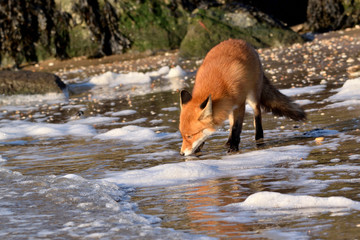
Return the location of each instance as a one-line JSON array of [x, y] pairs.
[[318, 140]]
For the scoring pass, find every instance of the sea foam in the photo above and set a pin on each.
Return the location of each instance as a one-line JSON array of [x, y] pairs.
[[274, 200]]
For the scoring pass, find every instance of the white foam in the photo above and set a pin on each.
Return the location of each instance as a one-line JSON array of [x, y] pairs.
[[49, 98], [349, 91], [345, 103], [247, 164], [123, 113], [274, 200], [136, 121], [78, 106], [75, 208], [168, 174], [303, 102], [170, 109], [175, 72], [354, 157], [94, 120], [162, 71], [151, 156], [129, 133], [20, 129], [303, 90], [156, 121], [114, 79]]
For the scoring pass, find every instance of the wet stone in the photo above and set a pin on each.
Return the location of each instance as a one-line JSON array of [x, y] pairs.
[[27, 82]]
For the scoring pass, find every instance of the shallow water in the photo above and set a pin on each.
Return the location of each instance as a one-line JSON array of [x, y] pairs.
[[112, 173]]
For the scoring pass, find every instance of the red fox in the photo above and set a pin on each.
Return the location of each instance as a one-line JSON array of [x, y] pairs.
[[230, 76]]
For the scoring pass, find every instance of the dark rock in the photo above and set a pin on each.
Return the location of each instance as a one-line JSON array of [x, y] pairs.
[[290, 12], [329, 15], [152, 25], [27, 82], [325, 15], [103, 24], [208, 27]]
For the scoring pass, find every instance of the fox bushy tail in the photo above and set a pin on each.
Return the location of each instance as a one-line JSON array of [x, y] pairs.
[[280, 105]]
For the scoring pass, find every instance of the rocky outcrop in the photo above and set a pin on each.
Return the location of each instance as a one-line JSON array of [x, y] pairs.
[[152, 25], [329, 15], [103, 27], [27, 82], [208, 27]]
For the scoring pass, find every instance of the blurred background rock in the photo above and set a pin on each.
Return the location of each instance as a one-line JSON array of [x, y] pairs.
[[34, 30]]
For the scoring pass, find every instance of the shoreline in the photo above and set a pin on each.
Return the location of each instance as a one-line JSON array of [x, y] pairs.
[[146, 61]]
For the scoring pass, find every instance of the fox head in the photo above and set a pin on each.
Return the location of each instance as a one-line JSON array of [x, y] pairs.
[[196, 122]]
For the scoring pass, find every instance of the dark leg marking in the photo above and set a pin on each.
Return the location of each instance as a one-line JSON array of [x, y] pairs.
[[259, 133], [236, 128]]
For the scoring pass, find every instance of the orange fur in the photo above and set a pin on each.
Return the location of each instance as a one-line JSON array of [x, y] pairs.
[[231, 74]]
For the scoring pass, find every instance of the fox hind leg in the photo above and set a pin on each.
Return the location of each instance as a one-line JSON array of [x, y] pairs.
[[259, 133], [236, 121]]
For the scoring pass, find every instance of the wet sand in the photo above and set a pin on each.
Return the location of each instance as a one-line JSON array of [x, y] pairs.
[[327, 55]]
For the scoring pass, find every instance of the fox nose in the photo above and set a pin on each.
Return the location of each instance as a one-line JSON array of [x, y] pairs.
[[182, 154]]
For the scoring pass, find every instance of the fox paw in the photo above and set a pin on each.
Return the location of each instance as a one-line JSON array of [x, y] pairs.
[[233, 149]]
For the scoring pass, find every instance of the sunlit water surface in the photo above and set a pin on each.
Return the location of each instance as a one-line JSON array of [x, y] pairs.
[[68, 176]]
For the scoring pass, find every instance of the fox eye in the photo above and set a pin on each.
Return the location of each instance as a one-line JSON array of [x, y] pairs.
[[188, 136]]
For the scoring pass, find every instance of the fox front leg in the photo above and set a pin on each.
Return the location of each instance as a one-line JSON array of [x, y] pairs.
[[236, 119]]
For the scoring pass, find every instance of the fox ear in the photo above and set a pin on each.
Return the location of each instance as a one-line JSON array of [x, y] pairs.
[[185, 97], [207, 108]]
